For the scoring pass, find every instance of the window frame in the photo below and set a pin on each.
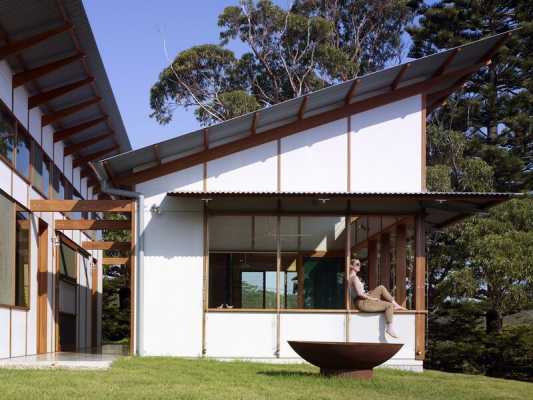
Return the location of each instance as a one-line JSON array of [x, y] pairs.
[[281, 292], [17, 207]]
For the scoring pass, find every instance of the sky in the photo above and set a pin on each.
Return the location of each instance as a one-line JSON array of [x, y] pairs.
[[130, 34]]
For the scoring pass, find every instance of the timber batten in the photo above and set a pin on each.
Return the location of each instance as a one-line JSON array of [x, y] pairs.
[[80, 205]]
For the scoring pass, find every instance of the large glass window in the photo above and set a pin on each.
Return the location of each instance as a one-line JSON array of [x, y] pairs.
[[7, 274], [14, 254], [7, 135], [22, 162], [22, 259], [67, 262], [57, 184], [243, 258], [41, 170]]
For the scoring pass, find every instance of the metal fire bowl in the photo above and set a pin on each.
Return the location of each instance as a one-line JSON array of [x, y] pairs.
[[346, 359]]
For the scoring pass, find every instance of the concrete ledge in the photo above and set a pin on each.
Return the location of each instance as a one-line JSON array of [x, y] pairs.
[[60, 360]]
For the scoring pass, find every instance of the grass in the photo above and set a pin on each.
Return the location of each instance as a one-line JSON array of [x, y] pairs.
[[173, 378]]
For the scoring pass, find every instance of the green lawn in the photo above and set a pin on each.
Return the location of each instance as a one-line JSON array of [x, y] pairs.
[[172, 378]]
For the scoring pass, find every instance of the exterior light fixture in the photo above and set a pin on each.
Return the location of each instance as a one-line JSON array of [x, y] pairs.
[[155, 209]]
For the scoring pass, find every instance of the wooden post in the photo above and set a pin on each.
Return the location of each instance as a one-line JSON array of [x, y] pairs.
[[384, 257], [348, 255], [401, 264], [300, 276], [372, 264], [420, 286]]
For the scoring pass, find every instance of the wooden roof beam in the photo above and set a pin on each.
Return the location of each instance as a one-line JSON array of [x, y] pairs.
[[74, 148], [85, 159], [17, 46], [399, 77], [26, 76], [68, 132], [206, 139], [157, 155], [253, 128], [41, 98], [351, 91], [301, 110], [447, 62], [48, 119]]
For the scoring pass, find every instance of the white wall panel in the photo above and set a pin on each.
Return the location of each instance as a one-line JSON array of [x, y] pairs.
[[173, 271], [67, 171], [155, 190], [76, 178], [242, 335], [316, 159], [5, 178], [371, 328], [18, 333], [249, 170], [5, 83], [58, 155], [31, 345], [319, 327], [386, 148], [20, 105], [4, 332], [35, 124], [84, 188], [20, 190], [48, 140]]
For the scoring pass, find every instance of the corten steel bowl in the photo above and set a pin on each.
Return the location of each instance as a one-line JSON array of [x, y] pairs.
[[347, 359]]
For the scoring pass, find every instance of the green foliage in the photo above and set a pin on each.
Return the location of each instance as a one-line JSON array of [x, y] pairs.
[[289, 53], [116, 289], [495, 108], [458, 342], [449, 166]]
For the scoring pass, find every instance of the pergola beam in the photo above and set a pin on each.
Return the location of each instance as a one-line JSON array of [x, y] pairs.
[[85, 159], [17, 46], [68, 132], [101, 245], [48, 119], [73, 148], [115, 260], [80, 205], [41, 98], [92, 224], [26, 76], [447, 62]]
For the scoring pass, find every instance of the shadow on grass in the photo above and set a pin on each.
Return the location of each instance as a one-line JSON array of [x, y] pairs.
[[289, 374]]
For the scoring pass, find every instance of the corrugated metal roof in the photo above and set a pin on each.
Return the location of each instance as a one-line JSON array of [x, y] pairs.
[[439, 208], [435, 195], [332, 97], [22, 19]]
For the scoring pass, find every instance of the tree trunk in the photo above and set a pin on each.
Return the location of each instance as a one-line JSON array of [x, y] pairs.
[[494, 321], [492, 126]]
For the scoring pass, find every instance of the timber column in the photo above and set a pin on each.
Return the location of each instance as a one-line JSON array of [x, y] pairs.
[[420, 287]]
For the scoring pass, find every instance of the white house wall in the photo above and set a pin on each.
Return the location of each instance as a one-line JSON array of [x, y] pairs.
[[173, 271], [241, 335], [5, 83], [253, 169], [20, 105], [386, 148], [316, 159]]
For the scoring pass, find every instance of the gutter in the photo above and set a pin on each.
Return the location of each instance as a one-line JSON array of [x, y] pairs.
[[139, 255]]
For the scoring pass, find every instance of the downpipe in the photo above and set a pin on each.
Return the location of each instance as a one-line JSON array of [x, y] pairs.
[[139, 253]]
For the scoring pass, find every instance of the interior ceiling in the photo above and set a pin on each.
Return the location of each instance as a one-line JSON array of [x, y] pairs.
[[20, 20]]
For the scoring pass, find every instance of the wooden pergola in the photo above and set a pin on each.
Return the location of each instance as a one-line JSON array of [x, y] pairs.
[[127, 249]]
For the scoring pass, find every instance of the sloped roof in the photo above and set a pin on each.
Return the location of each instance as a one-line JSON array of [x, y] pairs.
[[23, 19], [433, 75]]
